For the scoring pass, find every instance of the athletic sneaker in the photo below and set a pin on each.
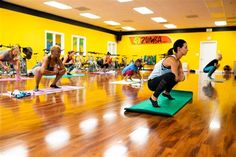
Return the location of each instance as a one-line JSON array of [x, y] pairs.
[[36, 89], [210, 78], [154, 103], [168, 96]]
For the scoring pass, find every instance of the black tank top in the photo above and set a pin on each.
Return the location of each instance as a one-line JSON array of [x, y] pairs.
[[50, 68], [68, 59]]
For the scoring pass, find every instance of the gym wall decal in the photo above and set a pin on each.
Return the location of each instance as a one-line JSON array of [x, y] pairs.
[[149, 39]]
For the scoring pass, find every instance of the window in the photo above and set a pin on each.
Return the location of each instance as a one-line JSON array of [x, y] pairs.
[[54, 38], [111, 47], [79, 44]]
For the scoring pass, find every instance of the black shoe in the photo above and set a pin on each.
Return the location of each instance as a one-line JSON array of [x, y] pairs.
[[154, 103], [168, 96], [54, 86], [69, 74], [36, 89]]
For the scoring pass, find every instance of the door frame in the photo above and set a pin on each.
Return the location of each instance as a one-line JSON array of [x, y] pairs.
[[211, 41]]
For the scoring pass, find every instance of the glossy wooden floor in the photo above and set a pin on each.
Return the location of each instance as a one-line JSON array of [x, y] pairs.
[[92, 122]]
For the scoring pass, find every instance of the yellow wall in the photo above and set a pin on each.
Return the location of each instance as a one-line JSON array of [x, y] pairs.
[[1, 25], [225, 44], [28, 30]]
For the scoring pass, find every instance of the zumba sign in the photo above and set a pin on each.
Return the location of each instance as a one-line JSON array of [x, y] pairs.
[[153, 39]]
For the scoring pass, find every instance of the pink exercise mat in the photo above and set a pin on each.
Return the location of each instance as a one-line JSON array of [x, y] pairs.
[[14, 79]]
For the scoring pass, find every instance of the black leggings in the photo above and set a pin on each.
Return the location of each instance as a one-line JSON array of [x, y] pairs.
[[164, 82], [105, 65]]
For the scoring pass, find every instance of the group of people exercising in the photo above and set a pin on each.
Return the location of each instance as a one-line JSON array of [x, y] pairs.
[[165, 75]]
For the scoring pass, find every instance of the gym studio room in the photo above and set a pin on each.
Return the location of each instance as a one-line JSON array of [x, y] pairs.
[[117, 78]]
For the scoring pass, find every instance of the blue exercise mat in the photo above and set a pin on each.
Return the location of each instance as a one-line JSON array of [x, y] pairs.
[[64, 76]]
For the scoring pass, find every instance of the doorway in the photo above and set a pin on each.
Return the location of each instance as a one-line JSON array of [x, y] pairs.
[[207, 53]]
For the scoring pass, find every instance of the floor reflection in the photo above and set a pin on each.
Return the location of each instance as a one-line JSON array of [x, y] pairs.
[[19, 148], [51, 109], [110, 116], [129, 91], [88, 125], [57, 138], [140, 135], [209, 91], [117, 150]]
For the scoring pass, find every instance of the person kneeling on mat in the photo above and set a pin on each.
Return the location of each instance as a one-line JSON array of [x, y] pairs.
[[131, 69], [167, 72], [211, 67], [11, 56], [51, 65], [69, 62]]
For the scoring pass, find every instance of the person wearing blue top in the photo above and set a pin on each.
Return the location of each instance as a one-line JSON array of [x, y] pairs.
[[132, 69], [167, 72], [211, 67]]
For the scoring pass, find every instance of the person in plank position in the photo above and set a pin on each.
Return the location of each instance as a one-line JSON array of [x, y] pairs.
[[167, 72], [211, 67], [11, 56], [51, 65], [132, 69]]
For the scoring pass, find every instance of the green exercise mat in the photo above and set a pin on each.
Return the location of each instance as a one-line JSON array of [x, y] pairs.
[[64, 76], [168, 107]]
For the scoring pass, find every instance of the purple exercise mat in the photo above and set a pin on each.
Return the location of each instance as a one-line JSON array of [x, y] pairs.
[[101, 72], [49, 90]]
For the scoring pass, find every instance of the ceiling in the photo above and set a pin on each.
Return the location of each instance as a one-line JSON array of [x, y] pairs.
[[182, 13]]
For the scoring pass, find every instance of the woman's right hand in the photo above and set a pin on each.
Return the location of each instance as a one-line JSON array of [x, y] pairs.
[[6, 68], [56, 71]]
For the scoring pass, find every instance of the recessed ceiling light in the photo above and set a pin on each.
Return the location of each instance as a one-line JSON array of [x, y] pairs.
[[220, 23], [170, 25], [143, 10], [89, 15], [112, 23], [58, 5], [128, 28], [159, 19], [124, 1]]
